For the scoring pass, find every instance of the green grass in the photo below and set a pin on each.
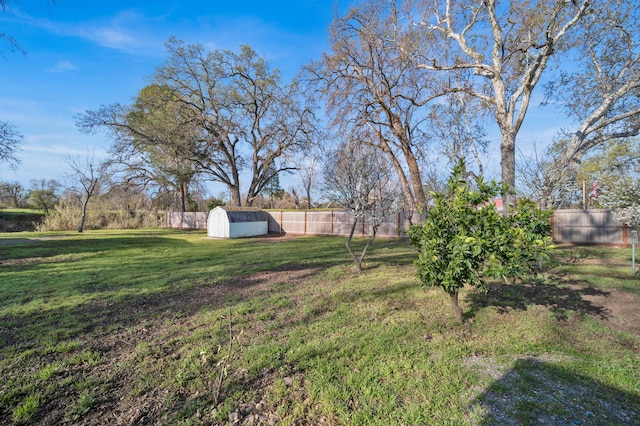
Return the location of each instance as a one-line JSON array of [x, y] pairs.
[[15, 211], [137, 324], [604, 267]]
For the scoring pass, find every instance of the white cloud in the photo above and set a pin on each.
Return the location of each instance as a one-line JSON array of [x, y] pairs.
[[63, 66], [114, 38], [124, 31], [127, 30]]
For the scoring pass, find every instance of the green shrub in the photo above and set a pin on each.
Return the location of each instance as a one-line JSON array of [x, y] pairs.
[[464, 239]]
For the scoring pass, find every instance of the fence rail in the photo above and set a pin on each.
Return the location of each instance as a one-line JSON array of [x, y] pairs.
[[592, 226]]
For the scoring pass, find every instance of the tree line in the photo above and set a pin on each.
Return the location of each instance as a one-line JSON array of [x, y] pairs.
[[420, 83]]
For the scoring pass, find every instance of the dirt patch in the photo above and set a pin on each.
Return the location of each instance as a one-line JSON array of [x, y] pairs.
[[616, 309], [622, 309], [540, 385]]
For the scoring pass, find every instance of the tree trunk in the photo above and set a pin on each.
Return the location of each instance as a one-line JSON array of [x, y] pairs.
[[398, 128], [457, 310], [183, 197], [84, 215], [236, 198], [508, 165], [356, 260], [366, 246], [409, 202], [307, 188], [296, 199], [416, 181]]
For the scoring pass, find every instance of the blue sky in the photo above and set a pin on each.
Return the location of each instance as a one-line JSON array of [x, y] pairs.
[[83, 54]]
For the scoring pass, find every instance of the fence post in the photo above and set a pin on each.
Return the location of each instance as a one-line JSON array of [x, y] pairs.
[[332, 233]]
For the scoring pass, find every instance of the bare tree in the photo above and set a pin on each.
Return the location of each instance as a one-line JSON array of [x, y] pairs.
[[12, 193], [456, 121], [296, 198], [153, 141], [601, 93], [8, 38], [85, 179], [10, 141], [534, 172], [497, 53], [374, 90], [307, 164], [356, 177], [248, 119]]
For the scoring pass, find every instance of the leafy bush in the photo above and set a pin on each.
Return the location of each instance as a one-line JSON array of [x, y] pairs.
[[464, 239]]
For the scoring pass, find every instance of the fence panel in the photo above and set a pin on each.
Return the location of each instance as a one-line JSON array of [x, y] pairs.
[[186, 220], [593, 226], [319, 223], [293, 222]]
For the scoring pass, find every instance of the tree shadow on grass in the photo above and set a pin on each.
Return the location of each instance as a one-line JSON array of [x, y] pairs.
[[79, 321], [535, 391], [36, 251], [558, 297], [152, 299]]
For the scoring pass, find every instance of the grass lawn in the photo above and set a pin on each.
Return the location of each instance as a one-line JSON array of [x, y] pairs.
[[170, 327]]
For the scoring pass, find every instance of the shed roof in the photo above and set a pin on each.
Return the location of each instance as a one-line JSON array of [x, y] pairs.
[[245, 214]]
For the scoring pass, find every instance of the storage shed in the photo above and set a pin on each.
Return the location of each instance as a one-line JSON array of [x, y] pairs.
[[237, 222]]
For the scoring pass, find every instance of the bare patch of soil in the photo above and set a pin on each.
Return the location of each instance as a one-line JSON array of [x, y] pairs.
[[621, 310], [616, 309], [540, 385]]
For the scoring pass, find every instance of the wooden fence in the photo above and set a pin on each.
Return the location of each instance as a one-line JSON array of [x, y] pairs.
[[338, 223], [593, 226], [325, 222], [187, 220]]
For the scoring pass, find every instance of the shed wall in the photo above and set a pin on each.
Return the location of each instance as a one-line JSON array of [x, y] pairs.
[[248, 229], [218, 224]]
